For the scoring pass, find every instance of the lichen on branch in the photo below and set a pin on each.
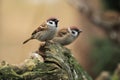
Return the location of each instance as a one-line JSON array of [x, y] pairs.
[[51, 62]]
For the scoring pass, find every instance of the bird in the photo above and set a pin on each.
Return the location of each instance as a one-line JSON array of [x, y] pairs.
[[67, 35], [46, 31]]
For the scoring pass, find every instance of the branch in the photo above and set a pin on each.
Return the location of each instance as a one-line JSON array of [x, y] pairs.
[[50, 62]]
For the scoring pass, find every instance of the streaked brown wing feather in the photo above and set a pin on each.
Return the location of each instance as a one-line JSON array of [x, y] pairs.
[[40, 28], [62, 32]]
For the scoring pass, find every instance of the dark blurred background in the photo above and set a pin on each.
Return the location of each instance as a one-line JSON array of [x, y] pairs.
[[97, 49]]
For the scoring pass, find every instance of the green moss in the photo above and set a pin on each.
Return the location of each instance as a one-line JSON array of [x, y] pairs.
[[58, 64]]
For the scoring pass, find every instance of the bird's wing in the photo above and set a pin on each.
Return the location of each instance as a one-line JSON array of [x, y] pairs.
[[62, 33], [40, 28]]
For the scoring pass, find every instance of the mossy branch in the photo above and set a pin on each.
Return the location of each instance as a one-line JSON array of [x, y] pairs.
[[51, 62]]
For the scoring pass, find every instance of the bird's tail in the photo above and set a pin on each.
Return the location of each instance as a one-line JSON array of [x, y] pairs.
[[27, 40]]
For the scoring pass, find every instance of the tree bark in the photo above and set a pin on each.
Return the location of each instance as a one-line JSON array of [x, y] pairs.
[[51, 62]]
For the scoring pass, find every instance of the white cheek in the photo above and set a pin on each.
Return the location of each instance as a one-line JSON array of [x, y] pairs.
[[48, 23], [76, 34]]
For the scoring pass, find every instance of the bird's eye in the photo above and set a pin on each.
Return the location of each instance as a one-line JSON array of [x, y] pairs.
[[74, 33], [51, 22]]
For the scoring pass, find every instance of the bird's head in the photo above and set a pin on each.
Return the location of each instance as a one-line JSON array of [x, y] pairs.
[[52, 22], [75, 31]]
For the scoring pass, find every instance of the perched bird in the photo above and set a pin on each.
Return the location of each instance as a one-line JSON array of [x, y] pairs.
[[67, 36], [46, 31]]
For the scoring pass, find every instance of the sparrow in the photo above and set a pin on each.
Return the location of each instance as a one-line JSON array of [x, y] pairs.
[[67, 35], [46, 31]]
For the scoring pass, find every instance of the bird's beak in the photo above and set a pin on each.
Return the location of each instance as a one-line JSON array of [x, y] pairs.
[[57, 20], [80, 31]]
